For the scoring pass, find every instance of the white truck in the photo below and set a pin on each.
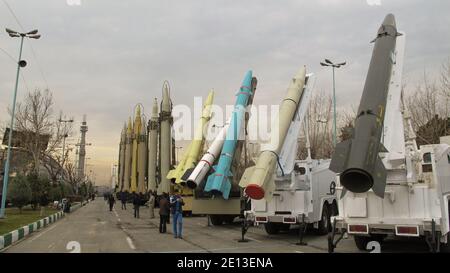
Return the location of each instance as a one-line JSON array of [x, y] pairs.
[[304, 189], [416, 200]]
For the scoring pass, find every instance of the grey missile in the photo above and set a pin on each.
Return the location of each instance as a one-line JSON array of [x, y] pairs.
[[153, 147], [165, 140], [357, 159]]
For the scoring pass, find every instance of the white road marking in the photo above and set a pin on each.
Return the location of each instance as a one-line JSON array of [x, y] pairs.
[[254, 239], [130, 243], [43, 232], [298, 251]]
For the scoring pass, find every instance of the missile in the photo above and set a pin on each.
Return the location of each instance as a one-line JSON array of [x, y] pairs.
[[357, 159], [142, 158], [134, 157], [218, 183], [127, 161], [121, 167], [165, 140], [190, 158], [204, 165], [257, 181], [153, 147]]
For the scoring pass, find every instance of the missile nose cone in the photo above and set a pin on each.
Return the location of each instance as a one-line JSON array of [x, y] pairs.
[[301, 73], [389, 20], [155, 108], [166, 97], [129, 125], [210, 97]]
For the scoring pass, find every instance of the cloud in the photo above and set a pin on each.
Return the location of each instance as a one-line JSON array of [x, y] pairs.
[[102, 57]]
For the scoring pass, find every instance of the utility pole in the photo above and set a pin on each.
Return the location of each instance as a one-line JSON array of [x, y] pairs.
[[21, 63], [333, 66]]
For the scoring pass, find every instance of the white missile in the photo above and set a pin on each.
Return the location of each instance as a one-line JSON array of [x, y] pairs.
[[127, 161], [142, 157], [165, 140], [206, 162]]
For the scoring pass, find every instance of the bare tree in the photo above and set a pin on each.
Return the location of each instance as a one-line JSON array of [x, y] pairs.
[[40, 132], [429, 108]]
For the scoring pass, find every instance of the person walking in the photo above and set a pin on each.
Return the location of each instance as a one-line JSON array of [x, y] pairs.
[[176, 203], [123, 200], [151, 204], [111, 202], [136, 204], [164, 211]]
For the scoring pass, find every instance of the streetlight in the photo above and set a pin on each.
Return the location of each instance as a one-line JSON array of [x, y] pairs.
[[333, 65], [21, 63]]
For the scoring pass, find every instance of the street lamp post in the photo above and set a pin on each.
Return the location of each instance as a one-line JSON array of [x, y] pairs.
[[21, 63], [333, 66]]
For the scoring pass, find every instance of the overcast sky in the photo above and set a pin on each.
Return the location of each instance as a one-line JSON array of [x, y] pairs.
[[102, 57]]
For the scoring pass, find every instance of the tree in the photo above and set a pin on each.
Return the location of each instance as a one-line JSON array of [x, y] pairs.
[[428, 102], [19, 192], [42, 133]]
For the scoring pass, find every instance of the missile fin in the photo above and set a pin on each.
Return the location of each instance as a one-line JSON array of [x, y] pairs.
[[186, 174], [344, 191], [379, 178], [337, 164], [383, 149], [209, 182], [226, 187], [246, 176]]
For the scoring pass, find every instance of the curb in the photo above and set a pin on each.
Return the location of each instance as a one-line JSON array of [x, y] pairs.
[[16, 235]]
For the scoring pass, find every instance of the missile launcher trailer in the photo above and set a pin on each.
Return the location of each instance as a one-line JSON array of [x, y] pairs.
[[408, 194]]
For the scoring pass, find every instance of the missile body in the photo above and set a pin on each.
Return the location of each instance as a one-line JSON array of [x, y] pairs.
[[142, 158], [127, 161], [357, 159], [135, 143], [153, 147], [206, 162], [121, 168], [190, 157], [218, 183], [165, 140], [258, 180]]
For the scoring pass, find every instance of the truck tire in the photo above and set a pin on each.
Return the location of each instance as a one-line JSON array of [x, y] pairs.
[[324, 223], [228, 219], [361, 241], [216, 220], [272, 228]]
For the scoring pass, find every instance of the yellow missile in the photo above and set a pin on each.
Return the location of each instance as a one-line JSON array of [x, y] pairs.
[[134, 158], [190, 158]]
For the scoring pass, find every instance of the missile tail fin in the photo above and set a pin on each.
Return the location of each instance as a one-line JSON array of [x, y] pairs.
[[379, 178], [186, 174], [337, 164], [226, 188], [344, 191], [383, 149]]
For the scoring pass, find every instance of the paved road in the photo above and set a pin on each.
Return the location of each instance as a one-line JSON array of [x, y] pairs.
[[94, 228]]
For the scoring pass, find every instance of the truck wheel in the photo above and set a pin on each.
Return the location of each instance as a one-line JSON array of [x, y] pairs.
[[361, 242], [272, 228], [228, 219], [216, 220], [324, 223]]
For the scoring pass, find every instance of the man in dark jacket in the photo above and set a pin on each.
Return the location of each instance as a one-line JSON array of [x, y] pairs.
[[123, 200], [136, 204], [111, 202], [164, 211]]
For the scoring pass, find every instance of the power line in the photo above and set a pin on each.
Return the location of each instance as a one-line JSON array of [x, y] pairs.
[[14, 15], [9, 55]]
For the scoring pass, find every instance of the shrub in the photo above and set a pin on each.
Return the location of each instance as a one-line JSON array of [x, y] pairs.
[[19, 192]]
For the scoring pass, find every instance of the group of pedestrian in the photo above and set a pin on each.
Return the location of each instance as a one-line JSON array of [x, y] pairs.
[[167, 205]]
